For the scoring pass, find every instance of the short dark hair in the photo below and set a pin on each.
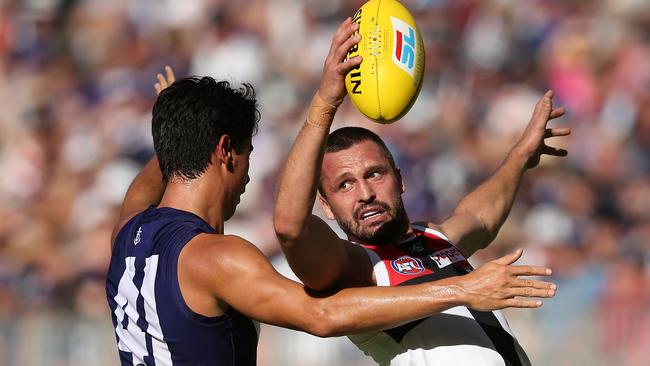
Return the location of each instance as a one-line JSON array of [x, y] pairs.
[[191, 115], [346, 137]]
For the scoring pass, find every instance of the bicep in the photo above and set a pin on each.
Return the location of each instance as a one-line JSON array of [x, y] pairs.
[[250, 284], [275, 300]]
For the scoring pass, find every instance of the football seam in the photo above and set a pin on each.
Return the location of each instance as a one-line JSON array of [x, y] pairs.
[[377, 68]]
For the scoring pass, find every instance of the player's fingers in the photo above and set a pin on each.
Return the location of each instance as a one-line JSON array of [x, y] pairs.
[[345, 23], [345, 30], [336, 35], [557, 112], [509, 258], [525, 282], [543, 108], [347, 65], [343, 34], [553, 151], [546, 101], [553, 132], [162, 81], [521, 303], [158, 88], [529, 292], [529, 271], [171, 78], [353, 27], [342, 51]]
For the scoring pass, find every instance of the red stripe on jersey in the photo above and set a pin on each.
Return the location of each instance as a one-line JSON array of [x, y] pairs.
[[436, 254]]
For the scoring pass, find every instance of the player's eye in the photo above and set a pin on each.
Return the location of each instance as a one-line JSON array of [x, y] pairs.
[[346, 185]]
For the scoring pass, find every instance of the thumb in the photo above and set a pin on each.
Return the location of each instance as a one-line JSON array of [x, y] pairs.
[[509, 258]]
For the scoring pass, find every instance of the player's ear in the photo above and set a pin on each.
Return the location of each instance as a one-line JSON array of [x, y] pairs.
[[223, 151], [326, 207], [400, 181]]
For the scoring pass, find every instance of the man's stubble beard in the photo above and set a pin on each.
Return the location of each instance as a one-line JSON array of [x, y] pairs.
[[389, 232]]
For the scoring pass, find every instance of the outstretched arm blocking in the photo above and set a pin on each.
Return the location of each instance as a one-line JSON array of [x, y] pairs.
[[478, 217], [227, 265]]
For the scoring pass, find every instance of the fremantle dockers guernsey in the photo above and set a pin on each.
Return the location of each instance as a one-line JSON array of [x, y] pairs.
[[457, 336], [153, 324]]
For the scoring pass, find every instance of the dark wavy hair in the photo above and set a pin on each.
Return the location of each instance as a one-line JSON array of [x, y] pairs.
[[191, 115]]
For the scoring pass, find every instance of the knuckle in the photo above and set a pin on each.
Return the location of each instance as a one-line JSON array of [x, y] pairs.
[[529, 292], [519, 283]]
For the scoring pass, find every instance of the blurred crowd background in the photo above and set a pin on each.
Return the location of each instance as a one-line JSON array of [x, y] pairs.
[[76, 92]]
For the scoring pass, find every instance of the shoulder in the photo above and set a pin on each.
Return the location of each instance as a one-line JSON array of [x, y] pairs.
[[216, 248], [421, 225], [122, 222], [431, 229], [212, 267], [212, 254], [214, 262]]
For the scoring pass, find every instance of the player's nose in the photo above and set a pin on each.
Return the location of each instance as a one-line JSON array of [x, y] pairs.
[[366, 192]]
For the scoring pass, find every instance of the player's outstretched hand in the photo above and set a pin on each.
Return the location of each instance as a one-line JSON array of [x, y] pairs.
[[337, 65], [532, 143], [164, 81], [497, 285]]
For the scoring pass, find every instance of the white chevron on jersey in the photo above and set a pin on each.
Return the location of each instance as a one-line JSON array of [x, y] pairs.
[[133, 339]]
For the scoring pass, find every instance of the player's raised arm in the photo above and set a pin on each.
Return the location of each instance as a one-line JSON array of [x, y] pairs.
[[313, 250], [146, 189], [229, 264], [148, 186], [478, 217]]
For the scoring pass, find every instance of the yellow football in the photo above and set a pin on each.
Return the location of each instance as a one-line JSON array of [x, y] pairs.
[[387, 82]]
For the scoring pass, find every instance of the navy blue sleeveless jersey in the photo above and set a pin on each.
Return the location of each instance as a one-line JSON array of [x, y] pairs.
[[153, 324]]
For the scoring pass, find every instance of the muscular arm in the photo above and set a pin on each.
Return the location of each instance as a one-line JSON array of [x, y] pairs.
[[235, 272], [146, 189], [478, 217], [315, 253]]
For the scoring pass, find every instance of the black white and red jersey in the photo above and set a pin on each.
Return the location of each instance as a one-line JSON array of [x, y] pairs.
[[457, 336]]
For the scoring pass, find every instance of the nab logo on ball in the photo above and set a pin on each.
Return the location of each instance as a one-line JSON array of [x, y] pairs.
[[404, 45], [407, 265]]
